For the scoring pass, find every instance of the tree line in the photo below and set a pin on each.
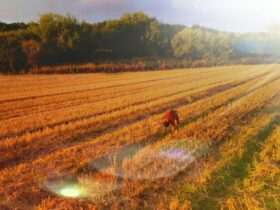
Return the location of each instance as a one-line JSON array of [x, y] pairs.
[[62, 39]]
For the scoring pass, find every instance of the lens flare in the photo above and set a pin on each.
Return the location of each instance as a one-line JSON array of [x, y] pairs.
[[71, 191], [66, 185], [152, 162], [107, 175]]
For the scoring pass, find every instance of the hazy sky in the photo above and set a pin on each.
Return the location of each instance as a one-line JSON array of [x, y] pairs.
[[228, 15]]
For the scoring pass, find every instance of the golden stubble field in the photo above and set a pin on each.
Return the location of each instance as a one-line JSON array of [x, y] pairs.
[[94, 141]]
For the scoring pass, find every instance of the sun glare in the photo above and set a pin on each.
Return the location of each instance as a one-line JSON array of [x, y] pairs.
[[243, 15], [72, 191]]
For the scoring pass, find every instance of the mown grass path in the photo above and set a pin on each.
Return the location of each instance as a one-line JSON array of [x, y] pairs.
[[224, 182]]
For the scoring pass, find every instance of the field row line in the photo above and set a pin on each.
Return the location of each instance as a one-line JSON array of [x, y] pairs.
[[57, 99], [95, 88], [79, 98], [79, 154], [87, 111], [19, 148], [136, 162]]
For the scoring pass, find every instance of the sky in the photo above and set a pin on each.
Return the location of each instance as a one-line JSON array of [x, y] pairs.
[[224, 15]]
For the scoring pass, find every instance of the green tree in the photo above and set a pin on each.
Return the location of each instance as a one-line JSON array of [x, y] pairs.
[[61, 37], [12, 57], [4, 27], [198, 43], [133, 35]]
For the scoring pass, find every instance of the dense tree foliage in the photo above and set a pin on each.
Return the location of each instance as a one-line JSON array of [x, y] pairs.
[[57, 39], [133, 35], [12, 26], [12, 58], [202, 44], [32, 50], [62, 38]]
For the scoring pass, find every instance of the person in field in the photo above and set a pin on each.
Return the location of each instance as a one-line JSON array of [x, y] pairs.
[[170, 118]]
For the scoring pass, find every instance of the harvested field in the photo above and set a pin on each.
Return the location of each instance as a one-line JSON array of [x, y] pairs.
[[94, 141]]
